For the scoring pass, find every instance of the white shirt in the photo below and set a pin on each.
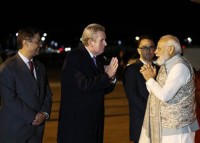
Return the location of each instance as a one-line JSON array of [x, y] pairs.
[[26, 62], [178, 75]]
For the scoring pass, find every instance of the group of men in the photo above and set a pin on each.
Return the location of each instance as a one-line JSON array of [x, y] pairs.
[[160, 91]]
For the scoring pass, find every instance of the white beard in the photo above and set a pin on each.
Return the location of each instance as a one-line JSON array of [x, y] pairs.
[[162, 59]]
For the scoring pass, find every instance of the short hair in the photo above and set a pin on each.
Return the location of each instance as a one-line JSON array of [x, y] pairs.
[[26, 33], [89, 32], [173, 41], [145, 36]]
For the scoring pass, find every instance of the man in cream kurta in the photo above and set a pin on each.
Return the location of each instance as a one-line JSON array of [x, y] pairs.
[[170, 114]]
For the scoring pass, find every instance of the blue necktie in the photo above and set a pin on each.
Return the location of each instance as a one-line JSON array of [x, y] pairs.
[[94, 60]]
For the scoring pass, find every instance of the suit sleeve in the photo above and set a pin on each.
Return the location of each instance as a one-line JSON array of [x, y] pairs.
[[8, 93], [131, 88], [86, 79], [47, 102]]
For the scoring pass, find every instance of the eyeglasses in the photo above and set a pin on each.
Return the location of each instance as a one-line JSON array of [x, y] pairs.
[[37, 42], [147, 48]]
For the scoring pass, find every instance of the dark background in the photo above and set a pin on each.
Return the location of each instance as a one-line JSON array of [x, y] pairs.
[[65, 21]]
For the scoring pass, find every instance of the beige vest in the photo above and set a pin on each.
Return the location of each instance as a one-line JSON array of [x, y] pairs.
[[180, 110]]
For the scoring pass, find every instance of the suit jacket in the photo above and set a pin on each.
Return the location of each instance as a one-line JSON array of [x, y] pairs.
[[22, 98], [137, 94], [83, 86]]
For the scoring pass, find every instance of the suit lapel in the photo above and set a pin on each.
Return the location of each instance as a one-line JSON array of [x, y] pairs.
[[100, 67], [24, 70], [89, 59]]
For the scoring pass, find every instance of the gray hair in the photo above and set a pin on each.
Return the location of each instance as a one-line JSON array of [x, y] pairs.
[[173, 41], [89, 32]]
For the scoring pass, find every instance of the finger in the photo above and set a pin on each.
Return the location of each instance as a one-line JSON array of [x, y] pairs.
[[154, 70], [145, 66]]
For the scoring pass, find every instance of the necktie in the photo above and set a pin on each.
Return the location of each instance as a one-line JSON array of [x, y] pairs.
[[94, 60], [31, 67]]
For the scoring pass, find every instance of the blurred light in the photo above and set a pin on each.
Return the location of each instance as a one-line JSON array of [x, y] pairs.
[[17, 34], [52, 42], [56, 44], [67, 49], [189, 40], [43, 38], [137, 38], [183, 46], [61, 50], [119, 42], [45, 34]]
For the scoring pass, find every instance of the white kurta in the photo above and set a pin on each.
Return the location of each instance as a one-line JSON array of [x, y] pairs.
[[178, 75]]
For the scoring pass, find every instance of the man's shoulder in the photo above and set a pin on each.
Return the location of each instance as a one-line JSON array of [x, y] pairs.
[[10, 61], [135, 65], [132, 68]]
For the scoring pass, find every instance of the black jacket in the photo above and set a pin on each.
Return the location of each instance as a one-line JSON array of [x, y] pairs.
[[83, 86]]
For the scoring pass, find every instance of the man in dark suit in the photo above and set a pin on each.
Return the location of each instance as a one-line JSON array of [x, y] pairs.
[[83, 86], [135, 88], [26, 97]]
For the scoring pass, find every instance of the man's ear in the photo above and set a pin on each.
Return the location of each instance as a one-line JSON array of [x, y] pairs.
[[24, 42], [139, 51], [89, 42], [171, 50]]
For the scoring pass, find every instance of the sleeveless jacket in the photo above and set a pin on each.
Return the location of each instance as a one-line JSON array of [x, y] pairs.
[[176, 113]]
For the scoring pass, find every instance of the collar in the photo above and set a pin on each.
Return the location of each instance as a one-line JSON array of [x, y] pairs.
[[24, 58]]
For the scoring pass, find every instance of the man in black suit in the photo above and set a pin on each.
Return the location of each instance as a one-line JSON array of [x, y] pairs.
[[26, 97], [135, 88], [83, 86]]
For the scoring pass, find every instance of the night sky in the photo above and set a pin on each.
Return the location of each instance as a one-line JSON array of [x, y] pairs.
[[123, 21]]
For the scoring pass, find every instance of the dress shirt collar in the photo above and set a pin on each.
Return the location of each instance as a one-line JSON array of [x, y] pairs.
[[90, 52], [143, 61], [24, 58]]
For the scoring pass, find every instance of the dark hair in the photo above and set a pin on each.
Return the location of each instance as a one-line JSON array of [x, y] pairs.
[[145, 36], [26, 33]]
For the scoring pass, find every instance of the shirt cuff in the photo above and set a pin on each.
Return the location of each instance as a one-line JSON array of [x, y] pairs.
[[150, 82], [113, 81], [46, 115]]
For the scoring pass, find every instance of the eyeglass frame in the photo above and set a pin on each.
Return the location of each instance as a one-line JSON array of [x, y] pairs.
[[37, 42], [147, 48]]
